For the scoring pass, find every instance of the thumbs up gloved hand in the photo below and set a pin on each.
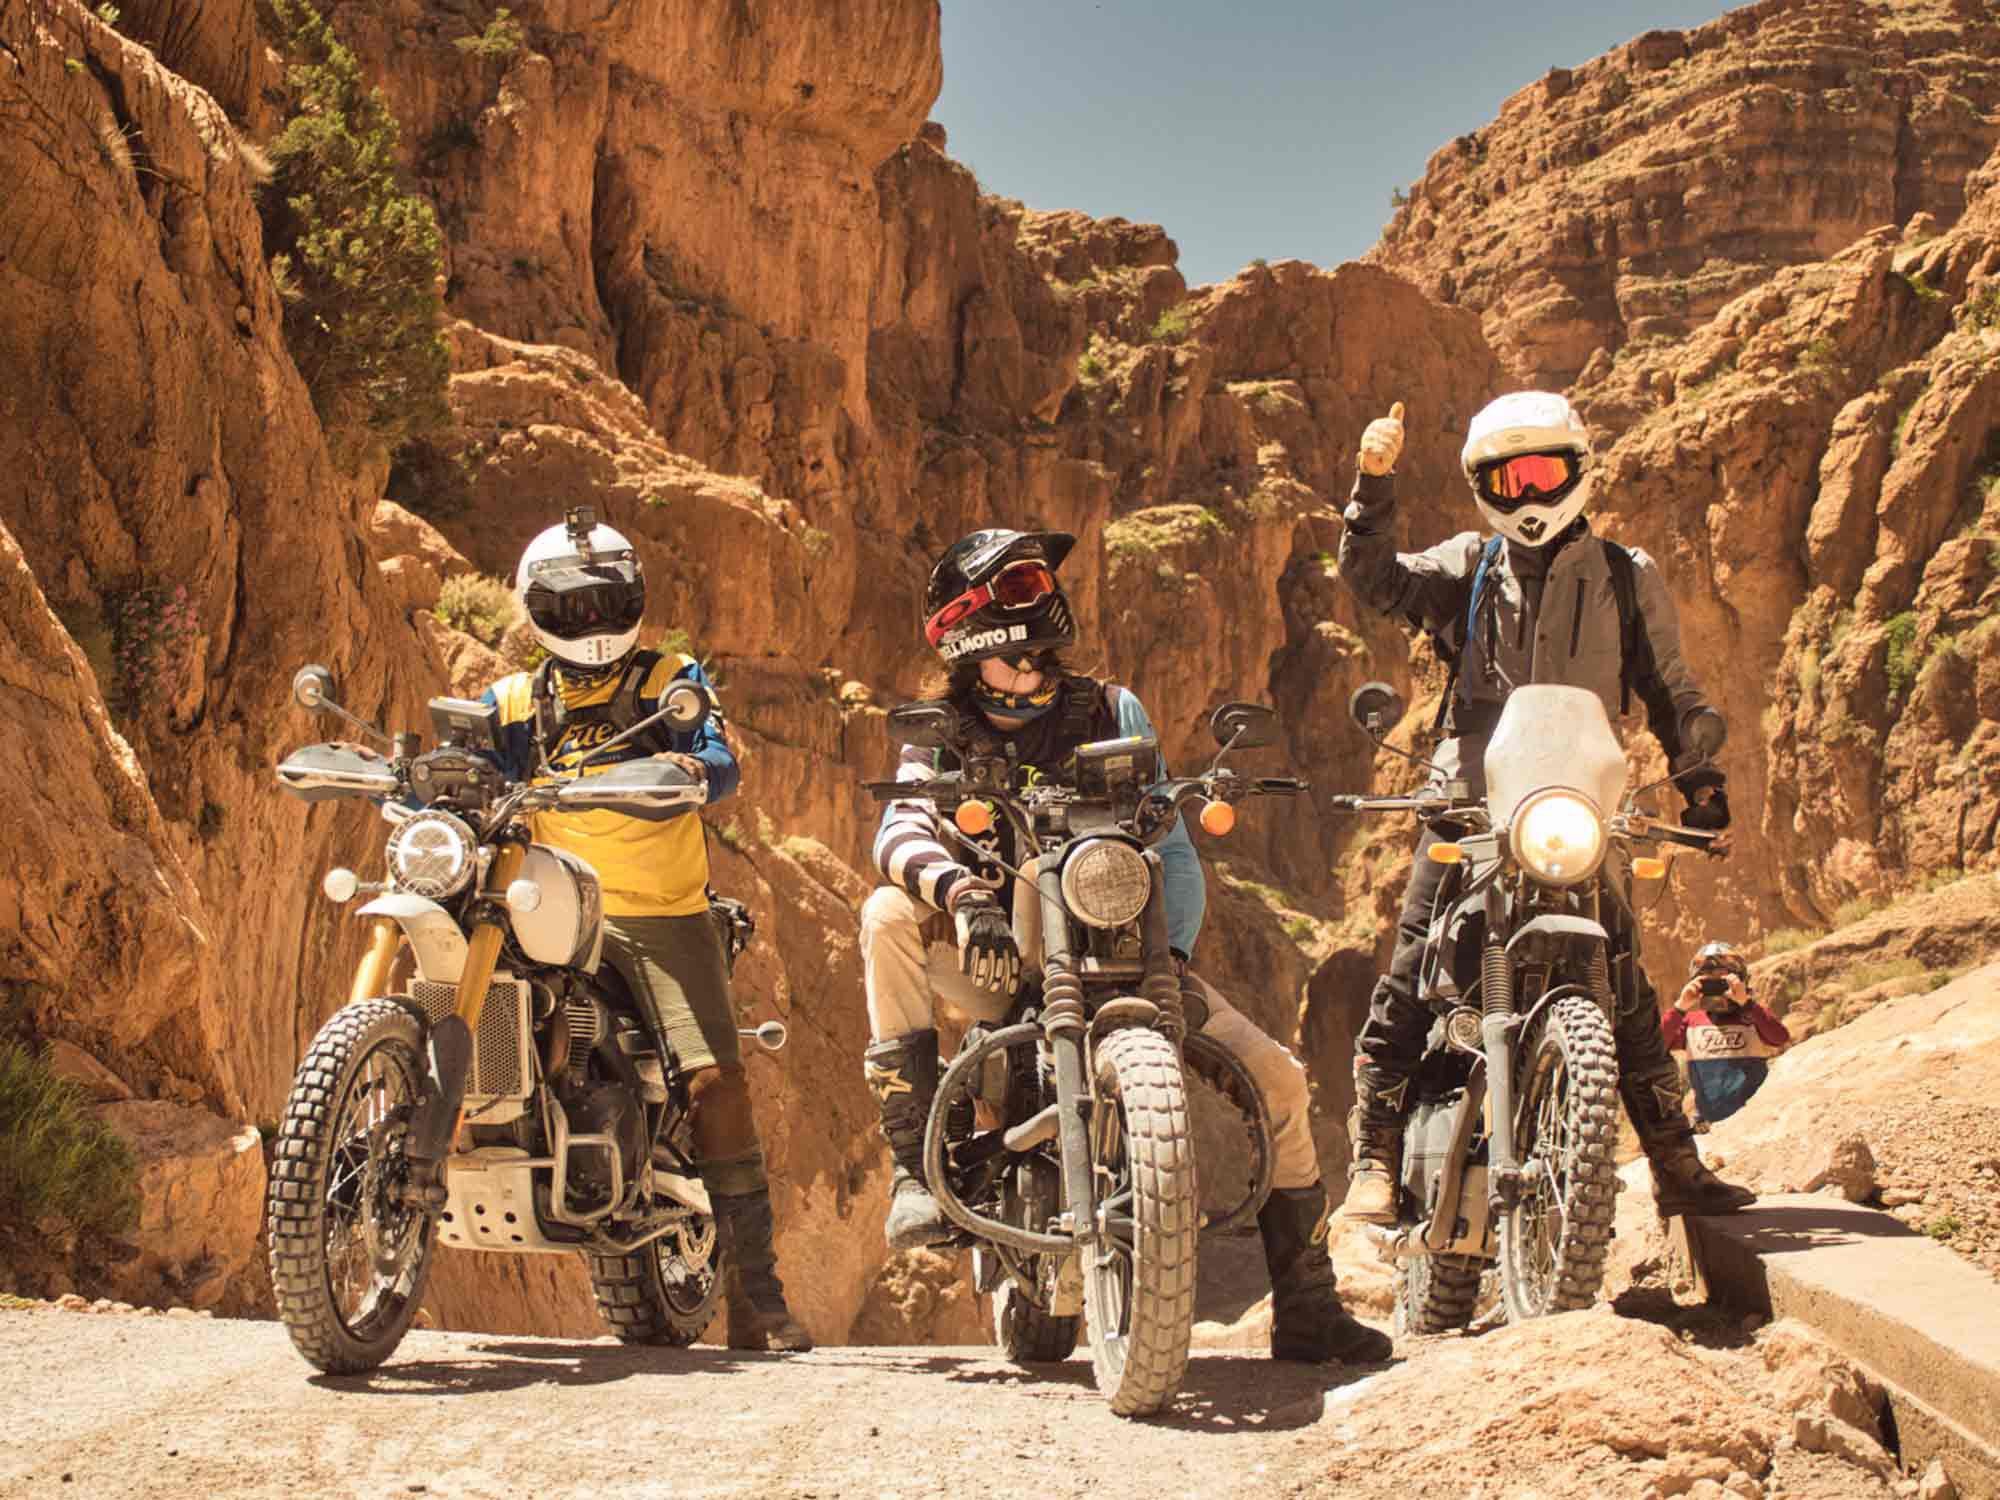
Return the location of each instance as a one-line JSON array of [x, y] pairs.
[[1382, 442]]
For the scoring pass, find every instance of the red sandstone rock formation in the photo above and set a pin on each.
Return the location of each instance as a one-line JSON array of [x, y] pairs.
[[716, 276]]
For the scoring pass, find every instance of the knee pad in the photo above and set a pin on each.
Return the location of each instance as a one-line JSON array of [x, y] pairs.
[[719, 1113]]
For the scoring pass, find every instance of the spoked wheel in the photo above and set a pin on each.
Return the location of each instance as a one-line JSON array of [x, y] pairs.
[[665, 1291], [1139, 1276], [1437, 1293], [348, 1255], [1553, 1242]]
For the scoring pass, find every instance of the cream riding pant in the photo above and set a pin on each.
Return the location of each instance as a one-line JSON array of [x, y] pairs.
[[907, 976]]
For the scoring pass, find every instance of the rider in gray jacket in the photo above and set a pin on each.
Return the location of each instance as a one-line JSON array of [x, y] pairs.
[[1548, 611]]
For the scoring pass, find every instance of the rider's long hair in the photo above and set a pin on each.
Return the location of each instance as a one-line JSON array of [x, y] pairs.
[[955, 682]]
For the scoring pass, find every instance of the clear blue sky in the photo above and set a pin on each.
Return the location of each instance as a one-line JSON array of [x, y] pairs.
[[1249, 128]]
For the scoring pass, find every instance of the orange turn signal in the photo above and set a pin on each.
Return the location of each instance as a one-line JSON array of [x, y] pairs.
[[1218, 818], [1445, 854], [973, 818], [1647, 867]]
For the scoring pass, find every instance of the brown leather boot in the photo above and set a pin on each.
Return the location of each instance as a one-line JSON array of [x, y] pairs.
[[1376, 1126], [1682, 1183], [758, 1317]]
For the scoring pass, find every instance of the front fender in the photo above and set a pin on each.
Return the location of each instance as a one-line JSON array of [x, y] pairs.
[[1545, 938], [435, 936]]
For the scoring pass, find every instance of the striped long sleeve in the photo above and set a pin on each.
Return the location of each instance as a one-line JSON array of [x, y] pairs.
[[909, 850]]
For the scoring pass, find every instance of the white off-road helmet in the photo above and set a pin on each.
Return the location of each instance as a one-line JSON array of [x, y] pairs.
[[582, 589], [1527, 458]]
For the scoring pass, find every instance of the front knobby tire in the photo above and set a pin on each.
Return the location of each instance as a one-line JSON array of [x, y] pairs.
[[666, 1291], [1437, 1293], [1139, 1277], [1553, 1242], [348, 1257]]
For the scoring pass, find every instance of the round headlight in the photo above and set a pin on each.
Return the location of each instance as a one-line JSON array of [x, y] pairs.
[[1559, 836], [432, 855], [1106, 882]]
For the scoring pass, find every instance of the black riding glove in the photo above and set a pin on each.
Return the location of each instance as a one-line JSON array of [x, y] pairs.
[[1708, 803], [987, 953]]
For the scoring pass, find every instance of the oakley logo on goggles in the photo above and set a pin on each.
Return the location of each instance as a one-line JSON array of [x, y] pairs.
[[1019, 585], [1528, 477]]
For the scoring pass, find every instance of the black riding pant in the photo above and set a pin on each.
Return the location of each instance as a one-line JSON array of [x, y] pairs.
[[1392, 1040]]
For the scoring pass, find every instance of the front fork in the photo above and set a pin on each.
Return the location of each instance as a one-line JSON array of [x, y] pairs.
[[1499, 1024], [435, 1120]]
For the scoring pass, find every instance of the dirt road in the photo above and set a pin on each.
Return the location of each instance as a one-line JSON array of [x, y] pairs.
[[1580, 1407], [132, 1407]]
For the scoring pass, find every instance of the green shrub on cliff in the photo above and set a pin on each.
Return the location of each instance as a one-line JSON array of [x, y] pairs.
[[57, 1159], [356, 258]]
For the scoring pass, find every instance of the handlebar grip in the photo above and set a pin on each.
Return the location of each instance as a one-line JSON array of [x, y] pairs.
[[1279, 786]]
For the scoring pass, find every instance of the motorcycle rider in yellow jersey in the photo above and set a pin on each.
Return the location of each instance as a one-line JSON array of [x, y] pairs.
[[582, 590]]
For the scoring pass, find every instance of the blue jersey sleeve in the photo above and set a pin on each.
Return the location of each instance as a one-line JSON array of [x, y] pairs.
[[708, 743], [1187, 887]]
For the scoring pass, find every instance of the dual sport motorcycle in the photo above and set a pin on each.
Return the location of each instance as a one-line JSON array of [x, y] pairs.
[[1082, 1198], [508, 1095]]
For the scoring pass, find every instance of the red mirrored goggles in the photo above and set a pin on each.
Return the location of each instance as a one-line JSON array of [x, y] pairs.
[[1019, 585], [1528, 477]]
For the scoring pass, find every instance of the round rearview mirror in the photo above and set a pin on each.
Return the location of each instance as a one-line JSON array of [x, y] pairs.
[[1705, 731], [312, 687], [771, 1036], [685, 706], [1376, 707]]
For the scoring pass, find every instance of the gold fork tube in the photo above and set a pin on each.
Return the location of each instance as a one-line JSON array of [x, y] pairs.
[[371, 975], [482, 951]]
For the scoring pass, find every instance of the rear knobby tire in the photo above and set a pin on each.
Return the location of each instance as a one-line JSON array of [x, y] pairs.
[[1554, 1241], [665, 1292], [1437, 1293], [1139, 1299], [1028, 1335], [335, 1173]]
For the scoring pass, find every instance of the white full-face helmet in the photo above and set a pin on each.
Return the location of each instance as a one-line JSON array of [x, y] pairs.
[[1527, 458], [583, 591]]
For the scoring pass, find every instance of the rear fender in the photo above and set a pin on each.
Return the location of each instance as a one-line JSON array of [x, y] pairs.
[[436, 939]]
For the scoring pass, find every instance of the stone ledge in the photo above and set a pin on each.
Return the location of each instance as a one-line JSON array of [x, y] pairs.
[[1918, 1318]]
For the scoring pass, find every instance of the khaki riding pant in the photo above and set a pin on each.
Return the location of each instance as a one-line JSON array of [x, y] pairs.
[[910, 963]]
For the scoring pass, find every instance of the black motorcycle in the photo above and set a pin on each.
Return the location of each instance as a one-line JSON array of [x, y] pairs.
[[1081, 1197], [1508, 1153], [506, 1093]]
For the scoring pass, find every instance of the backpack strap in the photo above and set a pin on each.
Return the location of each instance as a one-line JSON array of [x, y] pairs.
[[622, 709], [1635, 648], [1488, 556]]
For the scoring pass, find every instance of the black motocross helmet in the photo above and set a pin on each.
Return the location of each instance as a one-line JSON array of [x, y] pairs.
[[994, 593]]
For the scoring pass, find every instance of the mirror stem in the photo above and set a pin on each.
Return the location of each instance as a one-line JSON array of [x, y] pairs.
[[329, 706]]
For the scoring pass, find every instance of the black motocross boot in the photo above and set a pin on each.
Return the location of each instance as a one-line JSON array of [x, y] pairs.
[[903, 1072], [758, 1317], [1307, 1321], [1682, 1183], [1376, 1125]]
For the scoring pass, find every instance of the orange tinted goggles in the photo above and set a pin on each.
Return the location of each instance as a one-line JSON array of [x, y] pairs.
[[1016, 586], [1528, 476]]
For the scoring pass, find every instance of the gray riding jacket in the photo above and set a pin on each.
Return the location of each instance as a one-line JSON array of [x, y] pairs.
[[1547, 614]]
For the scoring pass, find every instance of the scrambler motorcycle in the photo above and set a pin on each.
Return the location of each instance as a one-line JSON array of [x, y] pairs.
[[509, 1097], [1513, 1119], [1081, 1198]]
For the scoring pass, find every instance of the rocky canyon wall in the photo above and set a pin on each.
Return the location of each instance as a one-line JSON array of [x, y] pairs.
[[710, 270]]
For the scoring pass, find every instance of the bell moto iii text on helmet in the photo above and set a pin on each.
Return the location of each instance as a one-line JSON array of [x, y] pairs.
[[994, 593]]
